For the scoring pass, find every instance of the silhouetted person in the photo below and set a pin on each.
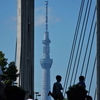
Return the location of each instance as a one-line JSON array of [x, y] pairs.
[[57, 87], [88, 97], [82, 81], [30, 97]]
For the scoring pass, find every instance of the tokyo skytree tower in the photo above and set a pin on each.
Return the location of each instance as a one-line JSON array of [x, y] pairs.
[[46, 62]]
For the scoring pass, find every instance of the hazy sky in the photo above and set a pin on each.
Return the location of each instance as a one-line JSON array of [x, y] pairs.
[[62, 16]]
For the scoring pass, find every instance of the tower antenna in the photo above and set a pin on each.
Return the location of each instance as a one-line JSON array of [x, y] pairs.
[[46, 22]]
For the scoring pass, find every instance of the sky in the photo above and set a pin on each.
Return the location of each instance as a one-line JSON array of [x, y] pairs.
[[62, 18]]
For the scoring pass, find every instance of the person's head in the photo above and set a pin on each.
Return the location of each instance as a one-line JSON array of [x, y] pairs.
[[81, 78], [30, 96], [88, 97], [58, 78]]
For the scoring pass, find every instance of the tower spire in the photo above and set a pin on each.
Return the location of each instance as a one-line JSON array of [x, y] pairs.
[[46, 41], [46, 22]]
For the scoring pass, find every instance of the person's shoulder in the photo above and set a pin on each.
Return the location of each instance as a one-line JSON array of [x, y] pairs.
[[55, 83]]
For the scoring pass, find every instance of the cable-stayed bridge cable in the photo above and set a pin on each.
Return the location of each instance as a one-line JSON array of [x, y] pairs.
[[92, 76], [88, 41], [74, 42], [83, 40], [80, 50], [90, 50], [80, 38]]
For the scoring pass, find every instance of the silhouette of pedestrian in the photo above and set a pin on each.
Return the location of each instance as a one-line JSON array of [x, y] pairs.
[[88, 97], [57, 87], [30, 97], [82, 81]]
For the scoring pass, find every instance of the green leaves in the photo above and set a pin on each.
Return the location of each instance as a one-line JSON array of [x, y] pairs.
[[11, 71], [9, 75], [3, 61]]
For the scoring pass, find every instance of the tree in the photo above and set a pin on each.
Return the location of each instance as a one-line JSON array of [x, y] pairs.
[[9, 75], [3, 61]]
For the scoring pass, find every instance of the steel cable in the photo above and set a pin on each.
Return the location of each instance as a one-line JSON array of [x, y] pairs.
[[79, 41], [74, 42], [92, 76], [88, 41], [90, 51]]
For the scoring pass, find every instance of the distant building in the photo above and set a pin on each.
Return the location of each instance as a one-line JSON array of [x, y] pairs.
[[46, 62]]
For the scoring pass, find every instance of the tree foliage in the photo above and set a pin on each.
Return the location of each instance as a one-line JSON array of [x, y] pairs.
[[3, 61], [9, 75]]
